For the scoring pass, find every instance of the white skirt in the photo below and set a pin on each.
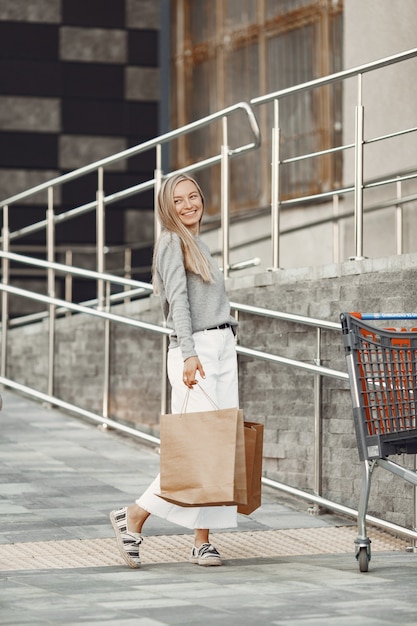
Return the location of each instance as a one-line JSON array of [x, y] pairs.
[[187, 516], [217, 352]]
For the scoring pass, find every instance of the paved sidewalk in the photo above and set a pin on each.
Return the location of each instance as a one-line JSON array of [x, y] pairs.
[[60, 477]]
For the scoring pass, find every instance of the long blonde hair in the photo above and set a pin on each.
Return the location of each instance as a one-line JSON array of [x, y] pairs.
[[194, 259]]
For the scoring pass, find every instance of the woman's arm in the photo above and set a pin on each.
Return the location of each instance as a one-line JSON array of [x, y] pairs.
[[170, 265]]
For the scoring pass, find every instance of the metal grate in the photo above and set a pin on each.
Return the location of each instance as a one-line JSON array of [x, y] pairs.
[[388, 377]]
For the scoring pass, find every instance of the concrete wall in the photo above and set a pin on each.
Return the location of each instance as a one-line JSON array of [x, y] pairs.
[[375, 29], [278, 396]]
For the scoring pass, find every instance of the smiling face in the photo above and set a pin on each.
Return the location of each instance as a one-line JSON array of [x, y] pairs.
[[188, 205]]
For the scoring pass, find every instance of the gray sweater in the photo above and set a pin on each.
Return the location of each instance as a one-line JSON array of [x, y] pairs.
[[188, 303]]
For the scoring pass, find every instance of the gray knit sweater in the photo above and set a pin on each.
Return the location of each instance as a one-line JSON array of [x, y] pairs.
[[188, 303]]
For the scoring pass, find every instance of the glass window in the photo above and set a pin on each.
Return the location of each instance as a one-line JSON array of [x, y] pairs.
[[225, 51]]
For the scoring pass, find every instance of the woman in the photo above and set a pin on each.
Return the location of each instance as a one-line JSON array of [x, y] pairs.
[[202, 346]]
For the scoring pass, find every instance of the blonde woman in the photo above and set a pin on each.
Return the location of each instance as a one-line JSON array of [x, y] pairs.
[[195, 305]]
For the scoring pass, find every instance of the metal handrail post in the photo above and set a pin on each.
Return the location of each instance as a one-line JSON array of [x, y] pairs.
[[106, 373], [317, 426], [399, 219], [127, 268], [100, 226], [50, 247], [157, 186], [5, 265], [158, 175], [225, 198], [275, 191], [336, 229], [68, 279], [359, 143], [127, 264]]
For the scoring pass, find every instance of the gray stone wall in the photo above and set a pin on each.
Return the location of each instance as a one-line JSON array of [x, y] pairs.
[[279, 396]]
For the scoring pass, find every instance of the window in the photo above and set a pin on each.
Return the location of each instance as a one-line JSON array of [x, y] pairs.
[[225, 51]]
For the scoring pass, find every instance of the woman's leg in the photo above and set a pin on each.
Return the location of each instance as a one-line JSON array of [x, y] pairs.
[[201, 535], [128, 539], [217, 352], [136, 517]]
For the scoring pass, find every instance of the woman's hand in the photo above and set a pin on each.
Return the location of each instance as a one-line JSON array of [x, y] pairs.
[[192, 365]]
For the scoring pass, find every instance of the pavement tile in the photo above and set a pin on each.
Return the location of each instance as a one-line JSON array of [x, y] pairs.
[[60, 477]]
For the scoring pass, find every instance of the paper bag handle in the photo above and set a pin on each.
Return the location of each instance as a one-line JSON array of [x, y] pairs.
[[187, 395]]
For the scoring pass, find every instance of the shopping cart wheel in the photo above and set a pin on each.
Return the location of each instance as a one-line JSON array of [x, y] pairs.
[[363, 559]]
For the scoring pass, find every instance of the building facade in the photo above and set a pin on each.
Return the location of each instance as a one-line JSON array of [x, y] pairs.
[[79, 81], [99, 76]]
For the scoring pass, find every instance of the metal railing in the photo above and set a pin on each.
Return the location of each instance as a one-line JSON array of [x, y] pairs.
[[61, 307], [337, 218], [315, 369], [358, 146], [277, 204], [124, 251], [101, 201], [100, 307]]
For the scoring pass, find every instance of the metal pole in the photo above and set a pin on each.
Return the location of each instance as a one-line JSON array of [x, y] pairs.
[[165, 100], [399, 220], [359, 143], [317, 427], [158, 174], [5, 296], [414, 546], [225, 198], [158, 182], [106, 373], [68, 280], [336, 229], [50, 245], [127, 268], [100, 226], [275, 213], [102, 296]]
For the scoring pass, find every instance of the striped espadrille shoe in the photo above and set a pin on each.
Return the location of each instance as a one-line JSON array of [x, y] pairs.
[[206, 554], [127, 541]]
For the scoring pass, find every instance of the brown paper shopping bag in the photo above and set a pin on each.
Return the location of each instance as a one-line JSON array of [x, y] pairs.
[[203, 458], [254, 436]]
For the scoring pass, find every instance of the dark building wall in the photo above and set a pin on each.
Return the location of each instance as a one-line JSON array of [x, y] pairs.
[[79, 81]]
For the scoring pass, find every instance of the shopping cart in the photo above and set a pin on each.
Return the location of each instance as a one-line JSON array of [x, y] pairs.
[[382, 368]]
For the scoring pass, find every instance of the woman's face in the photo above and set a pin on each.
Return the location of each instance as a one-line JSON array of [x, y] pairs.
[[188, 205]]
